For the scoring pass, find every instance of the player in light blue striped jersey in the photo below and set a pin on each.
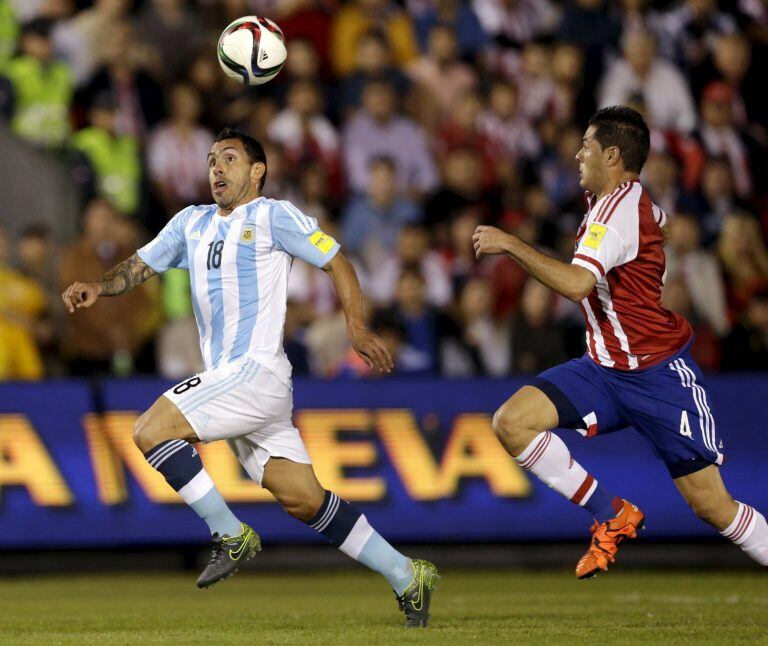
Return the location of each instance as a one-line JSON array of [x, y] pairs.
[[239, 252]]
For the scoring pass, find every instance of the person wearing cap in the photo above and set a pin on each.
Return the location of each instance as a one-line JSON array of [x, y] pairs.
[[36, 90]]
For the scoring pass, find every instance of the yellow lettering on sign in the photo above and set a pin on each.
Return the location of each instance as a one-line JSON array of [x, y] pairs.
[[320, 430], [594, 236], [410, 454], [110, 442], [112, 452], [25, 462], [230, 478], [474, 452]]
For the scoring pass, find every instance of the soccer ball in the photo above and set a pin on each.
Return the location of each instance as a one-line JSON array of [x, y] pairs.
[[252, 50]]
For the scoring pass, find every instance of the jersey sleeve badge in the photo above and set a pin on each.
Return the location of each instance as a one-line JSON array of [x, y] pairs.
[[322, 241], [594, 236]]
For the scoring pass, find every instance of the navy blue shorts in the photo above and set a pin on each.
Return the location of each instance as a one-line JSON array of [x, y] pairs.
[[666, 403]]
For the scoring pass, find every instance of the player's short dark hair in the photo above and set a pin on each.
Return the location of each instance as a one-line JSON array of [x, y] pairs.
[[253, 148], [625, 128]]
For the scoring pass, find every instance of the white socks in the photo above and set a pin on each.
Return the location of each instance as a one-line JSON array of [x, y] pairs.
[[549, 459], [750, 532]]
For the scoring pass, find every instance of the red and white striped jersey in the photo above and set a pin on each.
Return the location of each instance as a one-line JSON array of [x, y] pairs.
[[621, 242]]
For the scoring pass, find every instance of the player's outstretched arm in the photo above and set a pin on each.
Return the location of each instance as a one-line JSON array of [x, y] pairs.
[[369, 346], [120, 279], [572, 281]]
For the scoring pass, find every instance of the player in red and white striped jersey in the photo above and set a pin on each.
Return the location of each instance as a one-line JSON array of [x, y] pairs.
[[637, 371]]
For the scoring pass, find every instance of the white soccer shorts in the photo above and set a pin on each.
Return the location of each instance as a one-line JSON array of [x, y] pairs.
[[246, 405]]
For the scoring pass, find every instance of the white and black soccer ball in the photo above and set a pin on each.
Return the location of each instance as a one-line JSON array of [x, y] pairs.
[[252, 50]]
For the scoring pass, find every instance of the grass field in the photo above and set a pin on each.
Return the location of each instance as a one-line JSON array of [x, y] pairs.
[[352, 607]]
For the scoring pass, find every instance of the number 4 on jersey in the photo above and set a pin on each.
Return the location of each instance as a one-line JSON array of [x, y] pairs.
[[685, 426]]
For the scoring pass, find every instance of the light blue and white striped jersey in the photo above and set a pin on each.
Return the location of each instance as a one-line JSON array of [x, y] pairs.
[[238, 267]]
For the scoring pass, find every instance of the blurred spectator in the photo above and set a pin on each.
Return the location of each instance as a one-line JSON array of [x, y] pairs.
[[371, 223], [556, 171], [513, 24], [379, 131], [715, 201], [306, 135], [536, 88], [746, 347], [462, 187], [81, 38], [440, 78], [113, 158], [123, 74], [743, 258], [593, 28], [537, 339], [22, 303], [373, 63], [177, 150], [663, 88], [173, 29], [412, 251], [9, 32], [36, 257], [36, 90], [104, 338], [361, 16], [687, 31], [463, 129], [720, 137], [636, 14], [661, 177], [698, 270], [458, 16], [732, 63], [178, 347], [302, 64], [424, 325], [459, 253], [312, 197], [676, 296], [573, 101], [508, 130], [480, 344]]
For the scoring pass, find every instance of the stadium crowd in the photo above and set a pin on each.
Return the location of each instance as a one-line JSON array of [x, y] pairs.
[[400, 127]]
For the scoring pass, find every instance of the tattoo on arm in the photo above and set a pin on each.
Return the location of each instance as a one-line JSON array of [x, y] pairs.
[[125, 276]]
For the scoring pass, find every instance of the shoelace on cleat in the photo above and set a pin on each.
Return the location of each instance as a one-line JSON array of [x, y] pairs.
[[218, 548]]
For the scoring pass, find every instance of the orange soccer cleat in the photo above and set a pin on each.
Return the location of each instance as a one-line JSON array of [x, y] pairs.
[[606, 538]]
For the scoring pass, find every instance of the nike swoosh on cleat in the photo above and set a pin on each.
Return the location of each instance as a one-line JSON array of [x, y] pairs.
[[236, 555]]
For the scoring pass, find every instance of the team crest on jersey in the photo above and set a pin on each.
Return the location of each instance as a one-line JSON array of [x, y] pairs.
[[322, 241], [247, 234], [594, 236]]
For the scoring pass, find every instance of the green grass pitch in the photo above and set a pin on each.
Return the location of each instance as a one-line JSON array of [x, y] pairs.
[[355, 607]]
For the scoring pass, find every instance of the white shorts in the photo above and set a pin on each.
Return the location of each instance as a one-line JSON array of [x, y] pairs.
[[245, 404]]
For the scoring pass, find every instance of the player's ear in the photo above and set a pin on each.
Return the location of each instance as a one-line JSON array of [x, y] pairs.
[[257, 171], [612, 155]]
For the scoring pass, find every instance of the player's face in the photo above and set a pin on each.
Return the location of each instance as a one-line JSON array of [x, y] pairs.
[[591, 167], [230, 173]]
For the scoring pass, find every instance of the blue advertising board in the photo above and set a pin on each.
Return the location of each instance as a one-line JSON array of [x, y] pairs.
[[418, 457]]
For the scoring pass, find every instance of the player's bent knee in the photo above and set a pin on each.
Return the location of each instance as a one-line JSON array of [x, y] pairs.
[[510, 425]]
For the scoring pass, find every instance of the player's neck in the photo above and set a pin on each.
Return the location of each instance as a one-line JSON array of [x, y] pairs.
[[614, 182], [248, 197]]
